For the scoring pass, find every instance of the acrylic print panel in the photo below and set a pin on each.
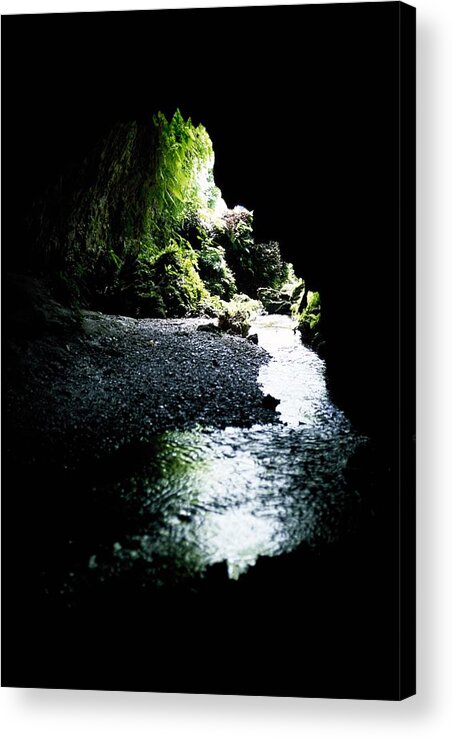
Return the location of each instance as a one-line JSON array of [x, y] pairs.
[[208, 453]]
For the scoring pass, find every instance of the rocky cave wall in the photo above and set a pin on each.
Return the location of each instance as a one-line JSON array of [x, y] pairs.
[[345, 247]]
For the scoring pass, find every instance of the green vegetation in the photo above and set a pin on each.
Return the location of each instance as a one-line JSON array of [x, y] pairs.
[[237, 315], [172, 280], [183, 191], [183, 188], [142, 229], [253, 264], [310, 321], [214, 270]]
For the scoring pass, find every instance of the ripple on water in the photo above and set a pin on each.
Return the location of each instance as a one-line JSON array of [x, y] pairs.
[[236, 494]]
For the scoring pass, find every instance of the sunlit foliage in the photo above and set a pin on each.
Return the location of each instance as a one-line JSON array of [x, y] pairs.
[[142, 228], [310, 320]]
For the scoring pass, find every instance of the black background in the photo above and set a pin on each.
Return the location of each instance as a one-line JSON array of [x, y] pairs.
[[300, 103]]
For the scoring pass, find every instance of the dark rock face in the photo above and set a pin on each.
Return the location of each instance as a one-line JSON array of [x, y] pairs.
[[270, 402], [208, 328], [275, 301], [355, 267], [360, 333], [92, 221], [30, 310]]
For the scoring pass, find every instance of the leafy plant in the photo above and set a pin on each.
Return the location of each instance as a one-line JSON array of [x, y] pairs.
[[141, 227], [310, 321], [238, 314], [174, 276], [183, 174], [254, 265]]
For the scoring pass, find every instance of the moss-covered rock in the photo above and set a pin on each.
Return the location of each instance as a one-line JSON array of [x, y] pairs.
[[175, 278], [237, 315], [275, 301], [106, 231], [97, 217], [141, 229], [310, 325]]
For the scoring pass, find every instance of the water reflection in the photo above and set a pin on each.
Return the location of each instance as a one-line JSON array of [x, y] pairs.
[[236, 494], [295, 375]]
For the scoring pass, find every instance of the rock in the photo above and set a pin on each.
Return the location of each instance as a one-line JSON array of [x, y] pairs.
[[124, 380], [217, 573], [270, 402], [30, 309], [184, 516], [275, 301], [253, 338], [208, 328]]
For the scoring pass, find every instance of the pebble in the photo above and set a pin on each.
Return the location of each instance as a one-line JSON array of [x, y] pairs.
[[97, 401]]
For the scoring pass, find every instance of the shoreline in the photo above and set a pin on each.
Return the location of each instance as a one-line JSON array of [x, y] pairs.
[[116, 381]]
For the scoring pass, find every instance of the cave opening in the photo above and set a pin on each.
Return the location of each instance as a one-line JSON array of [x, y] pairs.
[[143, 230], [198, 490]]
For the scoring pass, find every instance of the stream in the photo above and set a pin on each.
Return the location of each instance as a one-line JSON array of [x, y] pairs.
[[235, 494]]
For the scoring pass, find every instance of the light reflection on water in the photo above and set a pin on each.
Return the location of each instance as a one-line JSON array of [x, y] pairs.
[[295, 375], [236, 494]]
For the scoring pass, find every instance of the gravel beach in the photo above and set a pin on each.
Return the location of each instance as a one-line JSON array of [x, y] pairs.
[[116, 381]]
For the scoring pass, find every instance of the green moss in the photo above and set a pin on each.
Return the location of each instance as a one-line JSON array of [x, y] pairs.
[[237, 315], [173, 275], [310, 325], [139, 227], [215, 272], [182, 185], [254, 265]]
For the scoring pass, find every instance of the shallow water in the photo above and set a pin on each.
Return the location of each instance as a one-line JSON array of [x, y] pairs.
[[233, 495]]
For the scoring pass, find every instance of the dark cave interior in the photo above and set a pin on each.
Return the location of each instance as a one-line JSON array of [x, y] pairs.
[[303, 121], [303, 111]]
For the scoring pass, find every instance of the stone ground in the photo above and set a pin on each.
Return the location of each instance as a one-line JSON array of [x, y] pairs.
[[80, 400], [115, 381]]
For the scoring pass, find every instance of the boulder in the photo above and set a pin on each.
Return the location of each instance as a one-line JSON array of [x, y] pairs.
[[275, 301]]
